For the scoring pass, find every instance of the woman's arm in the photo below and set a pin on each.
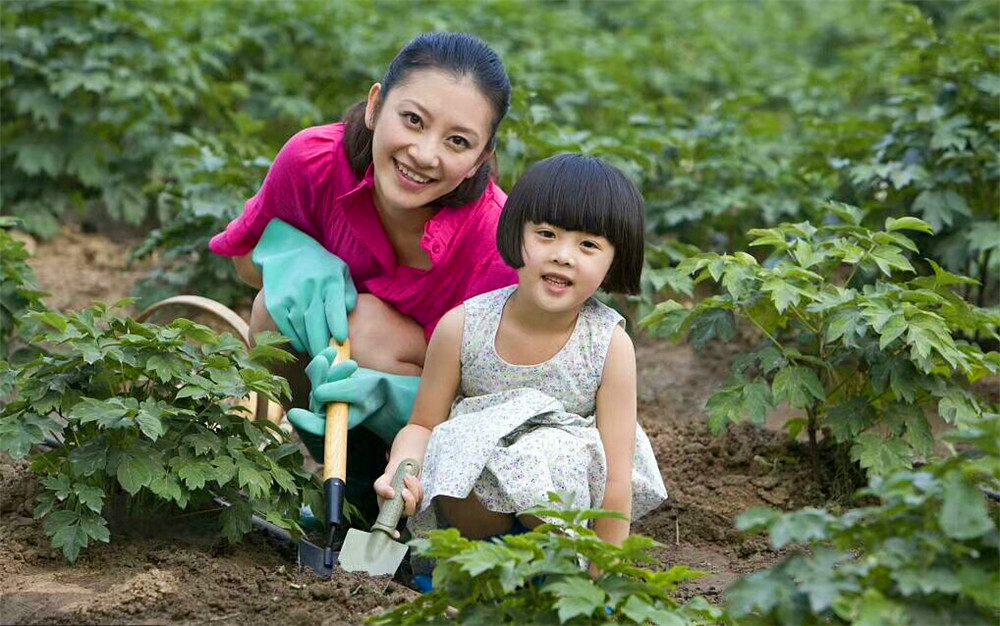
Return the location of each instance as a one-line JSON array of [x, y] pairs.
[[616, 418], [438, 387], [247, 271]]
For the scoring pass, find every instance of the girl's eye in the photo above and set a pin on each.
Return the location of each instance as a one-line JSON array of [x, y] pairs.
[[547, 234], [460, 141], [593, 245], [412, 118]]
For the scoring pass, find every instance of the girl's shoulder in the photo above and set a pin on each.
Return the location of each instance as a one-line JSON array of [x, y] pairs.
[[596, 312]]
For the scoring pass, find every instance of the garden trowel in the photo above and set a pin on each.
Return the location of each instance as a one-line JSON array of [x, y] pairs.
[[321, 560], [377, 552]]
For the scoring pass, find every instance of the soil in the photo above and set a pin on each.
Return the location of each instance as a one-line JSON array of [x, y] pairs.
[[185, 573]]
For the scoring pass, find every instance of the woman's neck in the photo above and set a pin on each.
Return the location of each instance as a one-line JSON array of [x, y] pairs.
[[405, 229]]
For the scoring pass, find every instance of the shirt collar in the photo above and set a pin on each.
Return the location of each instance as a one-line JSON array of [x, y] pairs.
[[438, 231]]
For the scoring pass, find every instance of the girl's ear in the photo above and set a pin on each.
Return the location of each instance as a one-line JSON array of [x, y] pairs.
[[371, 108]]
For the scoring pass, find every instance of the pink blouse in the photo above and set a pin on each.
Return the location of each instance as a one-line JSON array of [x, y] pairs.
[[310, 186]]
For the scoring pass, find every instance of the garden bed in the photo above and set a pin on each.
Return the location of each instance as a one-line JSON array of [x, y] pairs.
[[181, 570]]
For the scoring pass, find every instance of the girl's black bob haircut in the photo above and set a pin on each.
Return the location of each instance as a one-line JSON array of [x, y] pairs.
[[583, 193]]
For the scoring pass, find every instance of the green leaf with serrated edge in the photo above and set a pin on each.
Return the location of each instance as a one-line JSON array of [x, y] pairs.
[[667, 317], [90, 457], [576, 597], [783, 293], [757, 400], [842, 323], [889, 258], [918, 432], [770, 359], [223, 470], [642, 612], [893, 328], [150, 425], [251, 479], [711, 324], [236, 521], [963, 514], [134, 473], [806, 255], [19, 435], [168, 487], [95, 526], [724, 406], [193, 473], [880, 456], [848, 419], [91, 497], [283, 479], [908, 223], [70, 539], [161, 365], [204, 441], [799, 386], [110, 413], [58, 484]]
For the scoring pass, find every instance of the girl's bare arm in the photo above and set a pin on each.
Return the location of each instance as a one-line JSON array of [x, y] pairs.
[[438, 387], [616, 422]]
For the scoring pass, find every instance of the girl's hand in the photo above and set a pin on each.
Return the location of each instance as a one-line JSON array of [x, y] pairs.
[[413, 493]]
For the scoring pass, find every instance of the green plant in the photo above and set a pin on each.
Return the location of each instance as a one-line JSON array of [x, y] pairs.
[[936, 155], [537, 577], [848, 338], [146, 412], [18, 292], [198, 191], [925, 553]]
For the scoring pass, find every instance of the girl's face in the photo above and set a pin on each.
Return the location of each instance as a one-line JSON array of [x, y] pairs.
[[430, 134], [562, 268]]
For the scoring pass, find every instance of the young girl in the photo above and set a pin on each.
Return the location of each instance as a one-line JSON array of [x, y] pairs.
[[532, 388]]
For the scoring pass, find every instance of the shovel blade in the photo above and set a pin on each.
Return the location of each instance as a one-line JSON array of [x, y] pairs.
[[375, 552], [318, 559]]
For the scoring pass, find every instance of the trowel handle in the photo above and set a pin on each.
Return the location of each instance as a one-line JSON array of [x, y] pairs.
[[335, 447], [388, 515]]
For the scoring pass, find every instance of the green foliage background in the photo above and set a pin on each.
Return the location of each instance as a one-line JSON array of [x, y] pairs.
[[730, 115]]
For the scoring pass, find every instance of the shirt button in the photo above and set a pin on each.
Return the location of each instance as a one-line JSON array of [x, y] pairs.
[[436, 248]]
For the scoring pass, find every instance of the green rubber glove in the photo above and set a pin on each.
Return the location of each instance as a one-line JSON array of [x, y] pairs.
[[307, 290], [380, 402]]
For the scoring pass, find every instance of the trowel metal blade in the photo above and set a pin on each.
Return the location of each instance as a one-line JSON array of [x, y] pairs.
[[375, 552]]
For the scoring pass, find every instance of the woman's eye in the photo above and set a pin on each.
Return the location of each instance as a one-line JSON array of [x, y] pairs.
[[412, 118], [461, 142]]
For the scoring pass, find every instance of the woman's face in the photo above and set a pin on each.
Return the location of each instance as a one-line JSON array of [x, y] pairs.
[[430, 133]]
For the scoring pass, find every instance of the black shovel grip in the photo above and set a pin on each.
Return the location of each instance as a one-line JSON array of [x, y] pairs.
[[333, 489]]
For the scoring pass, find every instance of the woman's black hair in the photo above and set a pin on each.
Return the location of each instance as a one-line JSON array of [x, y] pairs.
[[583, 193], [460, 54]]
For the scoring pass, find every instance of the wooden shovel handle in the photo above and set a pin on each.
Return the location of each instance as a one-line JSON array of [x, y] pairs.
[[335, 435]]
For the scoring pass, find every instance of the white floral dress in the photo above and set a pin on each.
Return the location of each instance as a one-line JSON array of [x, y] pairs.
[[517, 432]]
